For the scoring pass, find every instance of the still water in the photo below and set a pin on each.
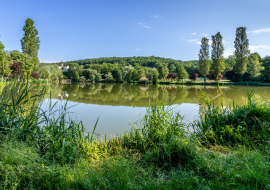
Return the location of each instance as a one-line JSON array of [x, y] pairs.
[[119, 105]]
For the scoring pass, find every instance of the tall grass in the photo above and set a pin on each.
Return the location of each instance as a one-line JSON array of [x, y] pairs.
[[247, 125], [59, 139], [40, 151]]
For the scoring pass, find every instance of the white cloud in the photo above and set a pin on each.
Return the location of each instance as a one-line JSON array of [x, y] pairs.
[[228, 52], [205, 35], [193, 40], [259, 48], [137, 49], [225, 43], [193, 33], [50, 61], [144, 25], [155, 16], [259, 31]]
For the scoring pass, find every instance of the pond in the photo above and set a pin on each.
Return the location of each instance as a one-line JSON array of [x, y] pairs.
[[119, 105]]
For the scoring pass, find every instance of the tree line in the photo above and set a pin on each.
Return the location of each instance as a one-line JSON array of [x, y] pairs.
[[24, 66]]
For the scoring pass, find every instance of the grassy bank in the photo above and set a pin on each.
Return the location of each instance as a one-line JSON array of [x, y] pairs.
[[215, 83], [229, 149]]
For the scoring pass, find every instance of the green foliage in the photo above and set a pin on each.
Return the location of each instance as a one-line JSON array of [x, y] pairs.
[[30, 41], [217, 55], [182, 73], [254, 66], [82, 79], [247, 125], [229, 63], [109, 77], [153, 75], [204, 58], [42, 152], [127, 73], [117, 74], [75, 76], [241, 50]]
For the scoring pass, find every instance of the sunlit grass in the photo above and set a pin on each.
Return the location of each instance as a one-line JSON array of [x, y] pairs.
[[39, 151]]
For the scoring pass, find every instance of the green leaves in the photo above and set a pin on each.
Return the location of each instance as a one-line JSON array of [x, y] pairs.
[[204, 58], [241, 50], [217, 55]]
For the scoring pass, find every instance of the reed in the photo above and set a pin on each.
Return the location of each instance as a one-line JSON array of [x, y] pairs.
[[41, 151]]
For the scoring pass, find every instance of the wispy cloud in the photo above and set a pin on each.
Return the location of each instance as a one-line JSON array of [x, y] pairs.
[[193, 33], [144, 25], [259, 31], [137, 49], [156, 16], [193, 40], [50, 61], [228, 52], [205, 35], [196, 41], [259, 48]]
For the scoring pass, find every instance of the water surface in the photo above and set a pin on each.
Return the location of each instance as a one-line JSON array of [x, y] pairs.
[[119, 105]]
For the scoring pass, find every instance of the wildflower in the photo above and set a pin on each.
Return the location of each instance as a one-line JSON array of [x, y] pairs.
[[42, 165]]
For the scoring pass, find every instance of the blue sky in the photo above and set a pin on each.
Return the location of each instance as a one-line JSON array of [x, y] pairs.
[[71, 30]]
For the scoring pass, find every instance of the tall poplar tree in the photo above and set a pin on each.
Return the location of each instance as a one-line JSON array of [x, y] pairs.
[[30, 41], [204, 58], [241, 51], [218, 64]]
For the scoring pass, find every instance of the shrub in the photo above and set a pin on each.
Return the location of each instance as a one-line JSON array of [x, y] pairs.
[[247, 125], [230, 74], [143, 80], [212, 76], [172, 76], [193, 76], [35, 75]]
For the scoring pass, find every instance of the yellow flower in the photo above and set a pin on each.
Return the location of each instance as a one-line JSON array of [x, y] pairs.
[[58, 155], [42, 165]]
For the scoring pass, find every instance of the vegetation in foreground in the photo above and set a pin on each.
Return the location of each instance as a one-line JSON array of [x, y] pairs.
[[38, 151]]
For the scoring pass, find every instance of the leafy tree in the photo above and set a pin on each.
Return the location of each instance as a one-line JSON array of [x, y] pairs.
[[82, 79], [193, 76], [229, 63], [172, 76], [230, 75], [204, 58], [5, 62], [97, 76], [254, 66], [35, 75], [76, 76], [86, 74], [182, 73], [117, 75], [212, 76], [30, 41], [241, 50], [217, 55], [172, 68], [16, 69], [109, 77], [153, 75], [127, 73]]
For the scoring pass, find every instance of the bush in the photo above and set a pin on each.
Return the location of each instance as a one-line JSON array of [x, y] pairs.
[[247, 125], [172, 76], [212, 76], [35, 75], [193, 76], [143, 80]]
